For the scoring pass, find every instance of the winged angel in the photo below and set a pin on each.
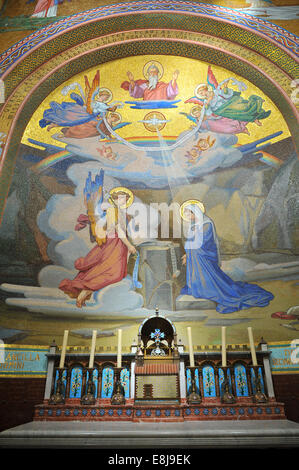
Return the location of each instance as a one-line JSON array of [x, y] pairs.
[[222, 109], [87, 115]]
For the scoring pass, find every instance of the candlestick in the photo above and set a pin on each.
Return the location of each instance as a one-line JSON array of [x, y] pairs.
[[223, 346], [119, 349], [193, 397], [89, 397], [259, 396], [63, 351], [92, 350], [226, 393], [58, 396], [252, 347], [191, 355], [118, 397]]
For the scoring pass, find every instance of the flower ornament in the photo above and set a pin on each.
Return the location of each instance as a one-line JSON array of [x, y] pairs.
[[157, 335]]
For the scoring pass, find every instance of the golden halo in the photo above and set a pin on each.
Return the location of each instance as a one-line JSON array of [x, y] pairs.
[[195, 108], [198, 88], [115, 113], [109, 92], [123, 190], [156, 64], [189, 203]]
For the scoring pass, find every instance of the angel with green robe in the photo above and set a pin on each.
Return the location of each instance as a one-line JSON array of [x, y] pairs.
[[221, 102]]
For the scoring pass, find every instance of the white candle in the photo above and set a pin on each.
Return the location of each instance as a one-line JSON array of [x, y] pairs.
[[191, 355], [252, 347], [93, 346], [223, 346], [63, 351], [119, 348]]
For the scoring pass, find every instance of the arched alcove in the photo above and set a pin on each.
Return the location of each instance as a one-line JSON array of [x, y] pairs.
[[114, 39]]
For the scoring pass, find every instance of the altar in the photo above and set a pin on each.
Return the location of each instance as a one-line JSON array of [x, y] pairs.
[[157, 396], [159, 381]]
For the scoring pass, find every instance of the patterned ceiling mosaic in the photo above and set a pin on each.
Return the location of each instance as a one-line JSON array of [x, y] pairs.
[[258, 26]]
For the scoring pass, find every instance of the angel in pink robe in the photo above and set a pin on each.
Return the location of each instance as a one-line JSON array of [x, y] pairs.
[[222, 125], [106, 263]]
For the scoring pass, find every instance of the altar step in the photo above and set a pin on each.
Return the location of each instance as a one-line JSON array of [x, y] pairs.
[[206, 435], [188, 302]]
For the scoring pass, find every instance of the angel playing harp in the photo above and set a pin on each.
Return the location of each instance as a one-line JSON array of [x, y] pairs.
[[225, 110], [106, 262], [83, 116]]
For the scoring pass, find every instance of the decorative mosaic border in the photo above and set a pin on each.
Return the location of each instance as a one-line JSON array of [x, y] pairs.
[[282, 38], [156, 413], [277, 64]]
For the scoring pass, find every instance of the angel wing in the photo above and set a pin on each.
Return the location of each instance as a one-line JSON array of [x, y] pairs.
[[90, 89], [211, 79], [195, 100]]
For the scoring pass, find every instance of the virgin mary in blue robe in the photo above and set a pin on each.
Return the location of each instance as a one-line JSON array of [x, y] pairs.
[[205, 279]]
